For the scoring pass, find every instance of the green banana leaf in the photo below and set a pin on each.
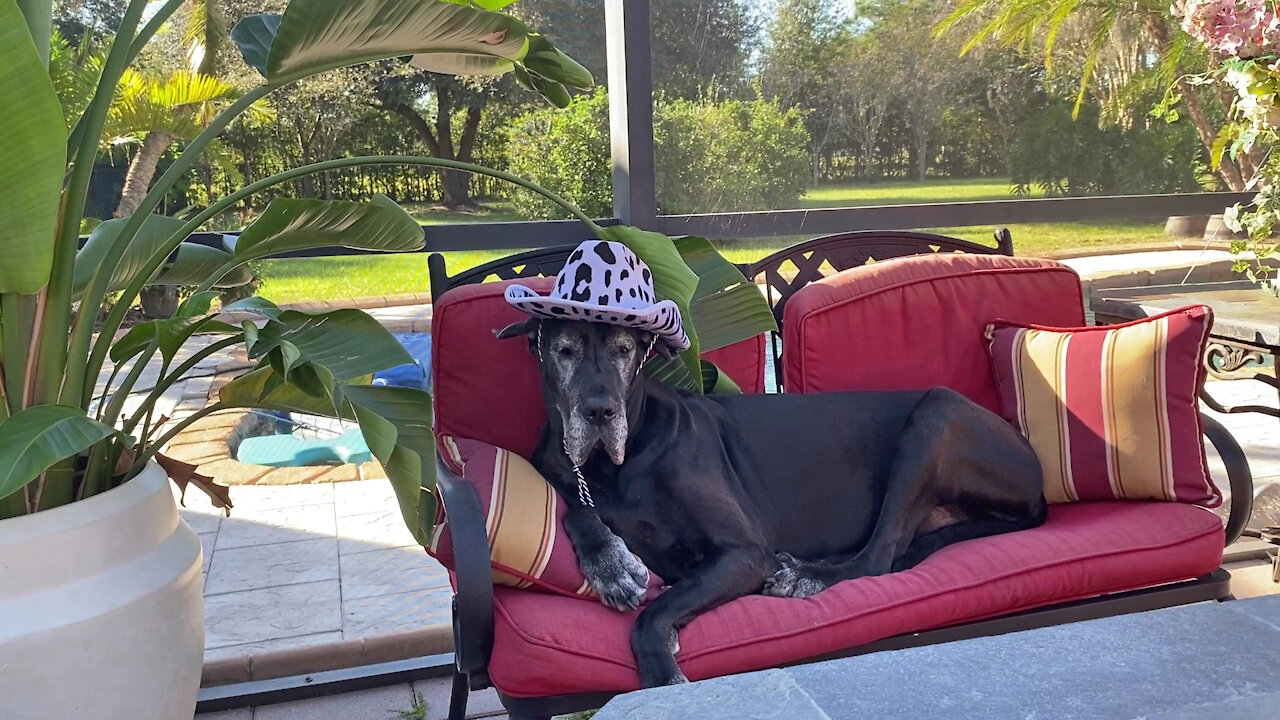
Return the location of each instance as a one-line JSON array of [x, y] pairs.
[[265, 390], [347, 343], [672, 280], [196, 263], [32, 160], [726, 307], [318, 35], [731, 316], [715, 273], [396, 423], [483, 4], [716, 382], [191, 265], [256, 305], [193, 318], [36, 439], [290, 224]]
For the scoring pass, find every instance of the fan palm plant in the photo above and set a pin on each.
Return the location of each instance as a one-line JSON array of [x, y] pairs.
[[155, 113], [66, 434]]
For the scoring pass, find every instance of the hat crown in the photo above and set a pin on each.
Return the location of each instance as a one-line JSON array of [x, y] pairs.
[[605, 282], [607, 274]]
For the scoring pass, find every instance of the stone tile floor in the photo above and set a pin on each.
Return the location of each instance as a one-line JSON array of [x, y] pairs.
[[296, 565], [394, 702]]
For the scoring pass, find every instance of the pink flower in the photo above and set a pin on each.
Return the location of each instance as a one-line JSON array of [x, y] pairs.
[[1239, 28]]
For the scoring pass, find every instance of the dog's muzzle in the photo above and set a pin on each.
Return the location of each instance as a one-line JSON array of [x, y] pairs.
[[583, 431]]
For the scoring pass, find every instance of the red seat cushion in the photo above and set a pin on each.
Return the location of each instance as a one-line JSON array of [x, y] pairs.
[[549, 645], [488, 389], [917, 322]]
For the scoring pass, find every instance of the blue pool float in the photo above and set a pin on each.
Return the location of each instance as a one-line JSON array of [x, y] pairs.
[[290, 451]]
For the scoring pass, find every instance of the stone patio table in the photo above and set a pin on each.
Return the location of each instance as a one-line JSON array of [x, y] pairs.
[[1212, 660], [1246, 327]]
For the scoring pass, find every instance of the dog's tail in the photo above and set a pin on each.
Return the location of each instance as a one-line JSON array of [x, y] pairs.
[[928, 543]]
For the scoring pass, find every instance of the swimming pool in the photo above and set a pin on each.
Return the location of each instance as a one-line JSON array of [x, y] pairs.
[[283, 439]]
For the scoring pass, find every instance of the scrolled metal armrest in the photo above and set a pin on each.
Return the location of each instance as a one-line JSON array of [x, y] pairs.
[[473, 602], [1238, 473]]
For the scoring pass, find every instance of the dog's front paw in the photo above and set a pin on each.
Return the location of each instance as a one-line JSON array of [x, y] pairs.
[[660, 670], [792, 582], [617, 576], [672, 676]]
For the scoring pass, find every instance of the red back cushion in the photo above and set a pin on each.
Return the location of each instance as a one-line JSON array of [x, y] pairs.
[[743, 362], [488, 389], [485, 388], [917, 322]]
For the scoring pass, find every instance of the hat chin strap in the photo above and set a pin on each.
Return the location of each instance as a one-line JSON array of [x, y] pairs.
[[584, 491]]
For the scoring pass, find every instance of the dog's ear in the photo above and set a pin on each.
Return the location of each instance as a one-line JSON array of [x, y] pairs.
[[528, 328], [663, 349]]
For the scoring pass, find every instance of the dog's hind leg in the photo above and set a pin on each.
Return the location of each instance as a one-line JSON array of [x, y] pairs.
[[927, 543], [951, 452]]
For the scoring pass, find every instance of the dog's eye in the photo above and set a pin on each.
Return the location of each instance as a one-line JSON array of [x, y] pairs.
[[565, 352], [623, 350]]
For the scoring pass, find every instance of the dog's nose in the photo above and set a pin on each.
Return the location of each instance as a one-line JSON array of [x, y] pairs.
[[600, 412]]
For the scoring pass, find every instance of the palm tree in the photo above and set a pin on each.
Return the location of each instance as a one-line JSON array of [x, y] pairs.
[[156, 113], [1103, 24]]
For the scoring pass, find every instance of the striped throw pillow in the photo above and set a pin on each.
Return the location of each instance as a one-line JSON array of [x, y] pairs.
[[1111, 411], [528, 547]]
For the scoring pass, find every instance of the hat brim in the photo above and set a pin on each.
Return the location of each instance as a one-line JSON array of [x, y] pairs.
[[662, 318]]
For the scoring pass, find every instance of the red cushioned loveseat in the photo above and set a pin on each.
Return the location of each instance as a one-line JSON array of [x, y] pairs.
[[913, 322]]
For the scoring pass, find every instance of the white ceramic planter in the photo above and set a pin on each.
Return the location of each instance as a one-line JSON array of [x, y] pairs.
[[101, 614]]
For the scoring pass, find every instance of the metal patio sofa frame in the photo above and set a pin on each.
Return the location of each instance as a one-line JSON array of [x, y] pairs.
[[473, 598]]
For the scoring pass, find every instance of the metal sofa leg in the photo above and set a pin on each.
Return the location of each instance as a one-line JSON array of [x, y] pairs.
[[458, 698]]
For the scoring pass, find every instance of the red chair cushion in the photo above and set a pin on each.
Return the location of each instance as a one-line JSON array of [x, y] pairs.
[[549, 645], [743, 362], [917, 322], [488, 389], [485, 388]]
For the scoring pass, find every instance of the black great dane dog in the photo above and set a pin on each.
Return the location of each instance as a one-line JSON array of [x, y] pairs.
[[728, 495]]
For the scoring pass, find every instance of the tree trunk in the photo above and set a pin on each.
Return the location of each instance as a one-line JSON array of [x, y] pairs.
[[1159, 30], [922, 155], [141, 169]]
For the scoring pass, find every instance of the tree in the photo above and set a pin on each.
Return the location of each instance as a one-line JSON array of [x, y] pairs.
[[924, 79], [155, 113], [698, 45], [806, 42], [867, 89], [313, 118], [1101, 28], [445, 112]]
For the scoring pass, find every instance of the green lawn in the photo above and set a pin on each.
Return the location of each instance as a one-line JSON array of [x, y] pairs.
[[357, 276]]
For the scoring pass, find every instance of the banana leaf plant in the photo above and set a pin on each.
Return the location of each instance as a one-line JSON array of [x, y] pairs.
[[65, 435]]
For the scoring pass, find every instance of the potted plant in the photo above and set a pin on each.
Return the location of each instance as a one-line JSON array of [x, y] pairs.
[[100, 603]]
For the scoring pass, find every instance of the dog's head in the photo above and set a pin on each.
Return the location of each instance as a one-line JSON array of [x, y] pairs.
[[588, 371]]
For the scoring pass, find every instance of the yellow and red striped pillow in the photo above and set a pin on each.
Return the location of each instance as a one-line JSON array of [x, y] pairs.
[[1112, 412], [528, 547]]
